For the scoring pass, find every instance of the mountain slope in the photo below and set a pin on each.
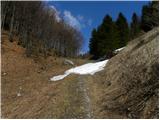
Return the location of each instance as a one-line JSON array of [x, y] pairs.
[[129, 85], [126, 88], [26, 89]]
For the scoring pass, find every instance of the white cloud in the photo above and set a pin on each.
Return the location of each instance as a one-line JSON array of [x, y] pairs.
[[71, 20], [79, 22], [85, 22], [57, 13]]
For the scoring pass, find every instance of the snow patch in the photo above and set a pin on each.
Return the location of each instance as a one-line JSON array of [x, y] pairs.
[[117, 50], [89, 68]]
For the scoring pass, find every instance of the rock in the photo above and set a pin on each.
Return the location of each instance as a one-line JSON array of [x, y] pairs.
[[4, 73], [19, 94], [68, 62], [20, 88]]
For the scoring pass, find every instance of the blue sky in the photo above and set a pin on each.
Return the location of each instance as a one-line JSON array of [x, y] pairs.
[[86, 15]]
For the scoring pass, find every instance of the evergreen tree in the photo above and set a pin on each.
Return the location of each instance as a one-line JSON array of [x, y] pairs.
[[123, 30], [155, 13], [105, 40], [135, 26], [145, 23], [93, 45], [111, 35], [150, 16], [105, 35], [108, 37]]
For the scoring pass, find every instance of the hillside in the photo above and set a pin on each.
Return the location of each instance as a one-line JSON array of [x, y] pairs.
[[128, 87], [61, 61], [27, 91]]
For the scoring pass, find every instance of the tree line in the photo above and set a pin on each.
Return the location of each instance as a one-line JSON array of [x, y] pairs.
[[110, 35], [38, 30]]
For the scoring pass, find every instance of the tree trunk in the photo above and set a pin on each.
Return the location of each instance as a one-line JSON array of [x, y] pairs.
[[12, 25]]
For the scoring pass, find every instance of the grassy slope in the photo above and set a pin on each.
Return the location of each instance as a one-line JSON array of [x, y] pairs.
[[128, 87]]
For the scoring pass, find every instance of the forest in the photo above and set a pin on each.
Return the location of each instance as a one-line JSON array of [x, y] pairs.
[[41, 33], [46, 74], [38, 30], [111, 35]]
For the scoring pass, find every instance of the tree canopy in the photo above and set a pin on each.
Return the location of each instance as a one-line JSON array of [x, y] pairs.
[[110, 35], [38, 30], [150, 16]]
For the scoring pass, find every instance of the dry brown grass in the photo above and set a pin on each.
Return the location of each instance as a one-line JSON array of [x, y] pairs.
[[31, 78], [128, 87]]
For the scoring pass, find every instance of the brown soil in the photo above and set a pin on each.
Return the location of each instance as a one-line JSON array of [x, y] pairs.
[[126, 88], [27, 91]]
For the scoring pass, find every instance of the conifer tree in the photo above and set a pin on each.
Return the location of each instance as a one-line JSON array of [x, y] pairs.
[[150, 16], [108, 36], [123, 30], [135, 26], [104, 40], [93, 45]]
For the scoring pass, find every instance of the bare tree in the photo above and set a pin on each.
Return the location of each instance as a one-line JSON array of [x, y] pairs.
[[38, 30]]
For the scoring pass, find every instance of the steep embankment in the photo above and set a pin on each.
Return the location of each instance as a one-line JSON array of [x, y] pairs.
[[128, 87]]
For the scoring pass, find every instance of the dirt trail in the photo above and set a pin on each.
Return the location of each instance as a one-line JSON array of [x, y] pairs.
[[73, 100], [27, 91], [86, 99]]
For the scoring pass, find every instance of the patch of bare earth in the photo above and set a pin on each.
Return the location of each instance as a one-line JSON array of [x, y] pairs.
[[27, 91]]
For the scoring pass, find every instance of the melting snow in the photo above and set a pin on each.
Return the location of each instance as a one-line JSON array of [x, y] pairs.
[[89, 68], [119, 49]]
